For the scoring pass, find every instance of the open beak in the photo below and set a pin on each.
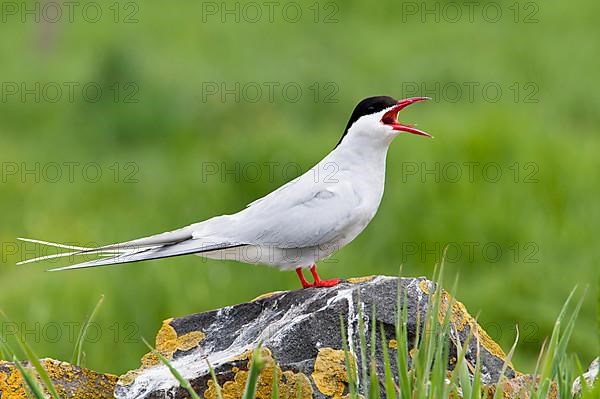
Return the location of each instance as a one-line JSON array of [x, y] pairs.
[[390, 118]]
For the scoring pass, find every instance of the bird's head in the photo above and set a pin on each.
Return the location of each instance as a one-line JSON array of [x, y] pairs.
[[376, 118]]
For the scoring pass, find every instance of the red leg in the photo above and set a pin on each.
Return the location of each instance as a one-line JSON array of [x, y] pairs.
[[305, 284], [322, 283]]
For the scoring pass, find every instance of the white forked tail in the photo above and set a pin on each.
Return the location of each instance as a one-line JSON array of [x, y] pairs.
[[78, 251], [164, 245], [113, 252]]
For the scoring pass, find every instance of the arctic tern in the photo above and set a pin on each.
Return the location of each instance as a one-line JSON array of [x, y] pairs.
[[293, 227]]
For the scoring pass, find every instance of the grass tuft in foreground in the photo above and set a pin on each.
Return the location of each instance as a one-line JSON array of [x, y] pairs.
[[429, 377]]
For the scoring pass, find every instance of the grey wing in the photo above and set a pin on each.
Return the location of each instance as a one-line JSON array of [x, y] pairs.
[[275, 193], [292, 220]]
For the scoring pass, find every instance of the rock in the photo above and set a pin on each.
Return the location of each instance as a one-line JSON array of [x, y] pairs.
[[70, 381], [590, 377], [302, 341]]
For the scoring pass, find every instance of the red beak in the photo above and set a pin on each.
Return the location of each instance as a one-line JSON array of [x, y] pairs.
[[390, 118]]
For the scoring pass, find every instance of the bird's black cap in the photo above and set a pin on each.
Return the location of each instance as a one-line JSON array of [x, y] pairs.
[[368, 106]]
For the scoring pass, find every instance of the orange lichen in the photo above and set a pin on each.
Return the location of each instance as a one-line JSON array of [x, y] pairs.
[[166, 339], [167, 343], [233, 389], [294, 383], [413, 352], [11, 382], [358, 280], [424, 286], [393, 344], [289, 383], [267, 295], [129, 377], [190, 340], [330, 373], [70, 381]]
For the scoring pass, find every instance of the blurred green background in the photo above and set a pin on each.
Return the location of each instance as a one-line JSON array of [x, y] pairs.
[[519, 240]]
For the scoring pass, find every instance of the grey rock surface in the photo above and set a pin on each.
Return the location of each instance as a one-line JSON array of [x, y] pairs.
[[302, 341]]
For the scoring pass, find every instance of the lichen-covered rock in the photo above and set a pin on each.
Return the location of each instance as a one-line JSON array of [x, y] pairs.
[[70, 381], [302, 341]]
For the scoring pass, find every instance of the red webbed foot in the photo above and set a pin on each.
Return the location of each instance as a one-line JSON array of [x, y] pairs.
[[318, 282]]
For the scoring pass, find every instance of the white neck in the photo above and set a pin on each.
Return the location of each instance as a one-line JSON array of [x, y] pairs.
[[362, 151]]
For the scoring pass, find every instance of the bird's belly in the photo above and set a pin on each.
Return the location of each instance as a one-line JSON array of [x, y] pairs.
[[283, 258], [353, 230]]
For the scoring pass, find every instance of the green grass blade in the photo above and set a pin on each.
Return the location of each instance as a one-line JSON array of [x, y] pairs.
[[255, 368], [498, 394], [555, 353], [569, 327], [563, 367], [350, 365], [373, 332], [548, 359], [462, 370], [275, 387], [390, 389], [564, 378], [77, 352], [431, 331], [439, 387], [373, 381], [215, 381], [535, 376], [416, 371], [460, 360], [476, 388], [402, 342], [32, 357], [5, 350], [185, 384], [31, 382]]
